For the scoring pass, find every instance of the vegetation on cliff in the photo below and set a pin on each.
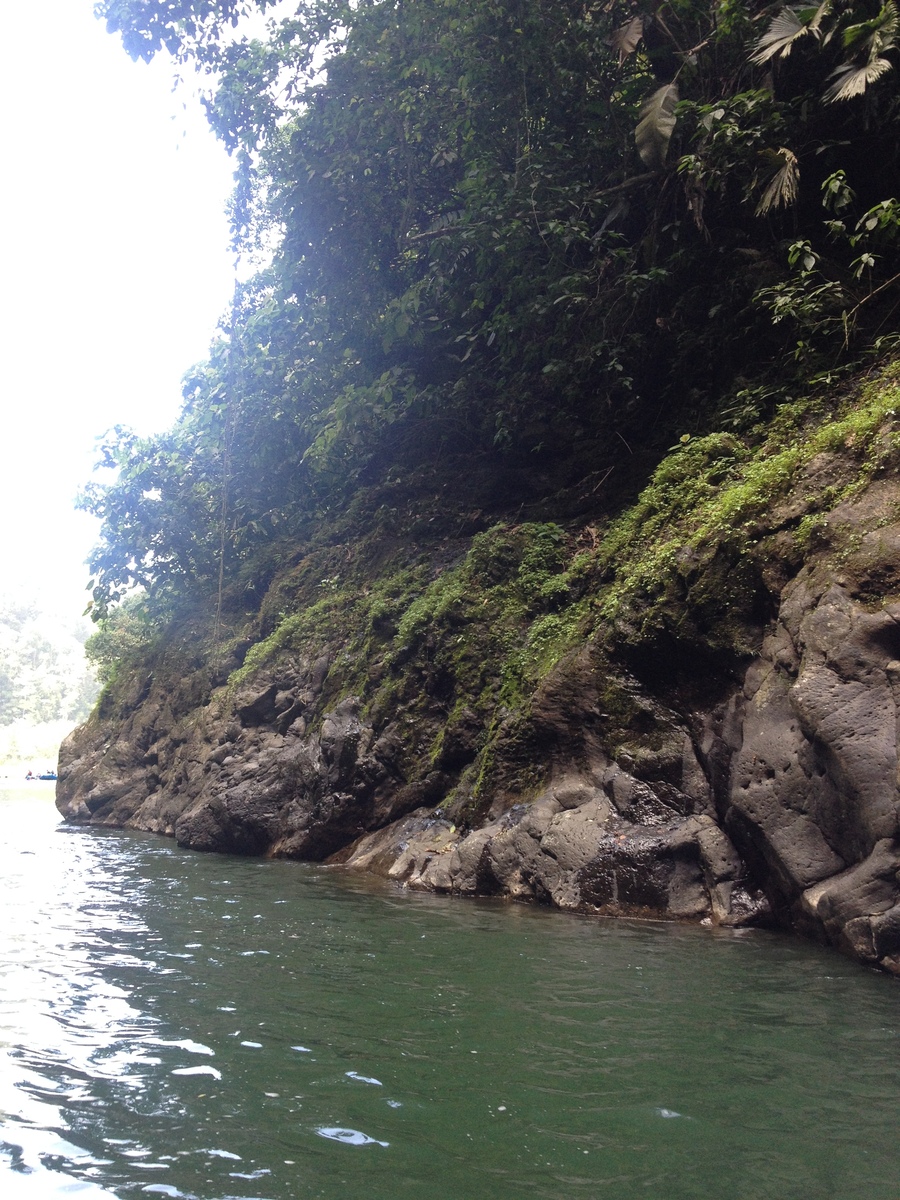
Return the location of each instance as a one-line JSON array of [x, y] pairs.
[[533, 526], [511, 253]]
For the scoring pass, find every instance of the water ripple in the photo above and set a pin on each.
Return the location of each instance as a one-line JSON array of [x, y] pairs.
[[523, 1053]]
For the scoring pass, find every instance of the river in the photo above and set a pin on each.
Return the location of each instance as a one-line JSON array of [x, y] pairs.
[[188, 1025]]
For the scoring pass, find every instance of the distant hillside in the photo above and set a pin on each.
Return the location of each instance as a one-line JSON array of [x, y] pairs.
[[46, 683]]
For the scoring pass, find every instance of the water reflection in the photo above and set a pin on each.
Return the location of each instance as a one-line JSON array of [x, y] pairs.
[[184, 1025]]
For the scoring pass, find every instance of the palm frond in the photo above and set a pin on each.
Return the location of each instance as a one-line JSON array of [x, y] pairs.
[[852, 79], [784, 185], [780, 37], [873, 36]]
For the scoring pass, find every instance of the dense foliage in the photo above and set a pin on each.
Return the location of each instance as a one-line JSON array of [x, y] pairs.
[[497, 231]]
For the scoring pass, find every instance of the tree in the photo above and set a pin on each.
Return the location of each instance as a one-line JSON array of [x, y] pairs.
[[508, 228]]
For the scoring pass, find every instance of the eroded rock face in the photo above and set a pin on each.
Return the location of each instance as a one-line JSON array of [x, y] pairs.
[[813, 795], [770, 795], [638, 836], [572, 849], [242, 777]]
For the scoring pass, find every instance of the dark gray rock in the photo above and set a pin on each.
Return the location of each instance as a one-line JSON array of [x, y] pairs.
[[665, 783]]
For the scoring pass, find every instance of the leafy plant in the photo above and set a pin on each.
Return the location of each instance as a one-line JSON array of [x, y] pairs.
[[865, 42], [509, 236]]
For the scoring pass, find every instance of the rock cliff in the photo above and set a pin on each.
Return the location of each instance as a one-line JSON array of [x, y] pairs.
[[688, 710]]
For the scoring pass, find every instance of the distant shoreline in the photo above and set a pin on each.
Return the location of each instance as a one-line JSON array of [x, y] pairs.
[[17, 778]]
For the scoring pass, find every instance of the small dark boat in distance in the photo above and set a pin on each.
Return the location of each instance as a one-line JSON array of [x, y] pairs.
[[43, 775]]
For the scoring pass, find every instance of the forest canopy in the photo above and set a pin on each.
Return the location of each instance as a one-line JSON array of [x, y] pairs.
[[520, 233]]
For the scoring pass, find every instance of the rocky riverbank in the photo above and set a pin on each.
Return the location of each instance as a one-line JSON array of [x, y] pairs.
[[689, 709]]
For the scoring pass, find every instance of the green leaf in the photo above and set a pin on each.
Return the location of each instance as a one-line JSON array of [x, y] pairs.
[[657, 123]]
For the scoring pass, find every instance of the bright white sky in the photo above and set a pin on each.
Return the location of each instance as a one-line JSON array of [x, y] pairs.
[[115, 270]]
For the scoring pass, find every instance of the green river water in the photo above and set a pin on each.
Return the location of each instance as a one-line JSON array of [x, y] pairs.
[[178, 1024]]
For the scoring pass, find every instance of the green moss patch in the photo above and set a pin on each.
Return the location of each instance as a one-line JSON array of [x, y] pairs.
[[699, 533]]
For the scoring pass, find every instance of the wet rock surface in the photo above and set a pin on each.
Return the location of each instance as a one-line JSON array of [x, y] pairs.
[[762, 790]]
